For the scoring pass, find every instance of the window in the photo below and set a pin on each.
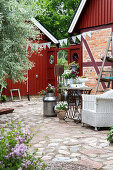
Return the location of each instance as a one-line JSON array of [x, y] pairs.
[[75, 57], [51, 59]]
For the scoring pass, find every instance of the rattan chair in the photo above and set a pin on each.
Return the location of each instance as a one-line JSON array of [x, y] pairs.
[[97, 110]]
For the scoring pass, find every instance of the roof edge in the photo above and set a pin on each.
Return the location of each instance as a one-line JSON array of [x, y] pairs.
[[76, 17], [44, 30]]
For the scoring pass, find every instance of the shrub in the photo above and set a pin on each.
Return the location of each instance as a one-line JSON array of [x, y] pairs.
[[110, 135], [3, 98], [14, 146]]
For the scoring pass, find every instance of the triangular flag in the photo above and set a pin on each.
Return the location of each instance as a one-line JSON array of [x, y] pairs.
[[65, 41], [44, 45], [61, 42], [84, 35], [74, 38], [89, 34], [79, 37], [36, 47], [49, 44]]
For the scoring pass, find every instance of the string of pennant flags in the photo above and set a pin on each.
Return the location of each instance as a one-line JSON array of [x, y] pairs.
[[74, 38], [36, 46]]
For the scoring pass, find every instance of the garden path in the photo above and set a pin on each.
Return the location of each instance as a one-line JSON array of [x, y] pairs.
[[62, 145]]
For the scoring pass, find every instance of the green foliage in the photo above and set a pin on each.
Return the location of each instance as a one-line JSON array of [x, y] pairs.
[[61, 106], [110, 135], [14, 146], [14, 36], [42, 93], [62, 58], [62, 61], [50, 88], [3, 98], [56, 15]]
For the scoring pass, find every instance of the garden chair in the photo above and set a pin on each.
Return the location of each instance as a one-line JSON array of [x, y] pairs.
[[97, 110]]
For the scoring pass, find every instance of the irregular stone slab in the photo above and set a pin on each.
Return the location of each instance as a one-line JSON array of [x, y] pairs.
[[63, 148], [55, 140], [37, 146], [92, 151], [62, 159], [53, 144], [73, 140], [90, 164], [75, 155], [110, 162], [63, 152], [46, 158], [74, 148], [102, 145]]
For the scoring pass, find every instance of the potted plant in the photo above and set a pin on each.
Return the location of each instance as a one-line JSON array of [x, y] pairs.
[[74, 66], [71, 75], [61, 109], [50, 90]]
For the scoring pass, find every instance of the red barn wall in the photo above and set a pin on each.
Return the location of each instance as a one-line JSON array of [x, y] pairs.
[[95, 13]]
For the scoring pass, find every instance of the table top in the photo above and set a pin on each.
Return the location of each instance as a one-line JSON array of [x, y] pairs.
[[77, 88]]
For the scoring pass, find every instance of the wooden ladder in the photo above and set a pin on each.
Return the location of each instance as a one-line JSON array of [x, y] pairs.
[[108, 59]]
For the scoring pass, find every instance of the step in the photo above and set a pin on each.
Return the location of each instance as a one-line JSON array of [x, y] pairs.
[[106, 79], [100, 91], [108, 59], [6, 111]]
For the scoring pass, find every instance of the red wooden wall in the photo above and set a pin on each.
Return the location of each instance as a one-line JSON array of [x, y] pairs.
[[95, 13], [42, 68]]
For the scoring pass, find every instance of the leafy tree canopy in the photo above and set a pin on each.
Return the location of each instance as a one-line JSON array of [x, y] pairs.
[[14, 35], [56, 15]]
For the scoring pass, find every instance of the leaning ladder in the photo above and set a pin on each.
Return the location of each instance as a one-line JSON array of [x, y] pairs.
[[104, 60]]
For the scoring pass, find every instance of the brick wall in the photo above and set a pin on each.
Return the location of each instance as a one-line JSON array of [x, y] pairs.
[[97, 43]]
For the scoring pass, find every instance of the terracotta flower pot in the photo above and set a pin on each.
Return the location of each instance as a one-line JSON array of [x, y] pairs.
[[61, 114]]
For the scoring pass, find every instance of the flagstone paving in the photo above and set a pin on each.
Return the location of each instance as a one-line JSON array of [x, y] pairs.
[[62, 145]]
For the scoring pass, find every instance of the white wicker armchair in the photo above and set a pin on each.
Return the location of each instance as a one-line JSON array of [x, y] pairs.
[[97, 110]]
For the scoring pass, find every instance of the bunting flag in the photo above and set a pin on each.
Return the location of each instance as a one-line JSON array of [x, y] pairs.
[[36, 46], [79, 37], [89, 34], [48, 44], [63, 41], [74, 38], [44, 45], [84, 35]]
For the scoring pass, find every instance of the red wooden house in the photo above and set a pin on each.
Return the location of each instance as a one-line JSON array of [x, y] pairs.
[[94, 17], [43, 71]]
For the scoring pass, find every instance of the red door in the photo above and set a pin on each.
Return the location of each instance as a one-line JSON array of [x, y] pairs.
[[38, 74], [75, 54], [51, 61]]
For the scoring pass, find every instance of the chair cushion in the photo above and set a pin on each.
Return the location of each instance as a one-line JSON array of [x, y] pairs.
[[107, 94], [111, 78]]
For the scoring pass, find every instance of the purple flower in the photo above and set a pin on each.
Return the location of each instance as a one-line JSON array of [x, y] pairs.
[[20, 168], [20, 139], [25, 164]]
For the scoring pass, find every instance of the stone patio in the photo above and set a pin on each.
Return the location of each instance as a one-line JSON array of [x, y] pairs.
[[61, 145]]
